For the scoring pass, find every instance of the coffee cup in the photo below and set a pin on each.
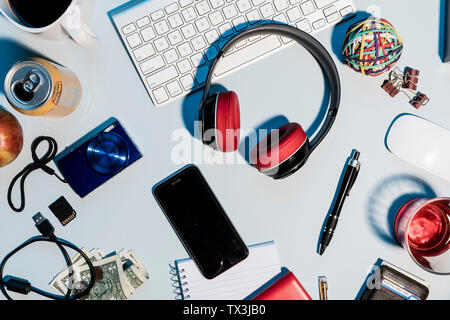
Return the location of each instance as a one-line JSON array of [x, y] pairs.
[[66, 19]]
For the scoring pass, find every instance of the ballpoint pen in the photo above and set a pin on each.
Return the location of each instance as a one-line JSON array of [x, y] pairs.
[[350, 174]]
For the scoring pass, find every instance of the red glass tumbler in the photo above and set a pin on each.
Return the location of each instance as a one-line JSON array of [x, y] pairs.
[[422, 227]]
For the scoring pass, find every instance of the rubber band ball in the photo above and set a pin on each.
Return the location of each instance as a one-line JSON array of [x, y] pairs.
[[372, 46]]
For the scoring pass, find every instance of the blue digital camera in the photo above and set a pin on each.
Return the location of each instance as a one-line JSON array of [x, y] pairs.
[[97, 157]]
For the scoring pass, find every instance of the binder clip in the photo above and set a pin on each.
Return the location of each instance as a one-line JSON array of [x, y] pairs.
[[389, 87], [410, 79], [405, 82], [420, 99]]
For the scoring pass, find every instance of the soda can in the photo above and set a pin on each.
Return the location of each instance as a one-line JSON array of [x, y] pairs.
[[38, 87]]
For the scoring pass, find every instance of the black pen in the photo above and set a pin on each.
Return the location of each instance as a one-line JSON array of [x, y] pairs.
[[350, 174]]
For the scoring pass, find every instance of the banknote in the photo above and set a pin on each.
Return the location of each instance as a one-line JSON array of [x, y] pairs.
[[112, 285], [118, 275]]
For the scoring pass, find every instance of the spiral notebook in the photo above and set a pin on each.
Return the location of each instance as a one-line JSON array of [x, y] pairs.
[[237, 283]]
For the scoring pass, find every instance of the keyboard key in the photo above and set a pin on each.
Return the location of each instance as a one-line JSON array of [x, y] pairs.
[[346, 11], [230, 11], [319, 24], [152, 65], [202, 24], [144, 52], [294, 14], [294, 2], [240, 43], [280, 5], [217, 3], [129, 28], [333, 17], [249, 53], [189, 14], [175, 21], [143, 22], [188, 31], [280, 18], [134, 40], [212, 36], [198, 59], [148, 34], [212, 52], [162, 76], [187, 82], [201, 74], [171, 56], [267, 10], [304, 25], [198, 43], [161, 27], [226, 30], [253, 16], [174, 88], [329, 10], [323, 3], [253, 38], [243, 5], [157, 15], [202, 7], [239, 23], [171, 8], [175, 37], [161, 44], [216, 18], [286, 40], [185, 3], [258, 2], [184, 66], [160, 95], [307, 7], [185, 49], [222, 43]]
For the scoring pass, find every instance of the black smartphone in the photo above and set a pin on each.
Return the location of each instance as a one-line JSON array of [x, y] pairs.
[[200, 221]]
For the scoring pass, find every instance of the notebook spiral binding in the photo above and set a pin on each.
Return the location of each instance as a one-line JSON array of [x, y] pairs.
[[178, 283]]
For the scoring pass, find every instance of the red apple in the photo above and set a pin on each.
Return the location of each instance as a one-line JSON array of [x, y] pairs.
[[11, 137]]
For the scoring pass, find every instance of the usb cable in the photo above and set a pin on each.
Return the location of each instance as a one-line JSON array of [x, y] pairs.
[[22, 286], [38, 163]]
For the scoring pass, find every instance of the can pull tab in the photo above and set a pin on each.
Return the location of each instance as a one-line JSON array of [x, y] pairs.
[[31, 82]]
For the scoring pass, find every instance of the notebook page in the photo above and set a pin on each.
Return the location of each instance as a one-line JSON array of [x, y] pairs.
[[261, 265]]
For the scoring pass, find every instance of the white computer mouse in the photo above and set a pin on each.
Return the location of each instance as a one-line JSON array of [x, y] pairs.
[[421, 143]]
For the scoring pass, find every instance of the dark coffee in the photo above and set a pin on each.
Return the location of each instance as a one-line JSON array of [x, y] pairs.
[[39, 13]]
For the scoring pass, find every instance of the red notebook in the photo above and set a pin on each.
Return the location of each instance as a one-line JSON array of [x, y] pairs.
[[285, 288]]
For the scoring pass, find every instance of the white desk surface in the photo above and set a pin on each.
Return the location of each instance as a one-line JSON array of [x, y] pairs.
[[123, 213]]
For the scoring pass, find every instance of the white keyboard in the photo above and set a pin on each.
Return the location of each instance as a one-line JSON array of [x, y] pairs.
[[172, 44]]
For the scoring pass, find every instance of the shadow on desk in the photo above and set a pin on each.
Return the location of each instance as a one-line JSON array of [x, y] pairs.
[[339, 31], [12, 52], [388, 197]]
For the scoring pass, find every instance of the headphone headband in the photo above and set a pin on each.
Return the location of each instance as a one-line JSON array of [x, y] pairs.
[[309, 43]]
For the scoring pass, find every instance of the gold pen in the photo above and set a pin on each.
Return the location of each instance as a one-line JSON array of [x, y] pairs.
[[323, 288]]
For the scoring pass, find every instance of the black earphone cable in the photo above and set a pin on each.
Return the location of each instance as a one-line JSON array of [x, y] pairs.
[[38, 163], [24, 287]]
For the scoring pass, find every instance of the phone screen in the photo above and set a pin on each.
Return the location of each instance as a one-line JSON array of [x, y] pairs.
[[200, 222]]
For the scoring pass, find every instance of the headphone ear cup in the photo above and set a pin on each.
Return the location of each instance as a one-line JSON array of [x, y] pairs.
[[281, 153], [227, 121]]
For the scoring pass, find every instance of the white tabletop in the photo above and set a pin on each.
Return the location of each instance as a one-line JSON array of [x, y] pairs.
[[123, 213]]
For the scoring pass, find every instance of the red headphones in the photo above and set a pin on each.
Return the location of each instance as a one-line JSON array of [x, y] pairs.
[[220, 116]]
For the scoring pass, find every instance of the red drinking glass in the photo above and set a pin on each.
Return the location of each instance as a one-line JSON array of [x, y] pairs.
[[422, 227]]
